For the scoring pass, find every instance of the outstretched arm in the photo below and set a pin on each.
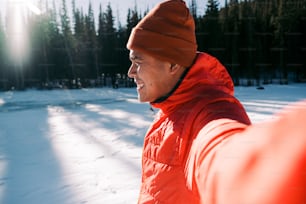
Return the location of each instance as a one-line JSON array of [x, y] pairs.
[[263, 164]]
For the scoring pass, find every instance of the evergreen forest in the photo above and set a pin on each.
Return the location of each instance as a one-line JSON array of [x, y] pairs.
[[258, 41]]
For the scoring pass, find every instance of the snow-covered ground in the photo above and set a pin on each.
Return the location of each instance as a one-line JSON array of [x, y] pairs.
[[84, 146]]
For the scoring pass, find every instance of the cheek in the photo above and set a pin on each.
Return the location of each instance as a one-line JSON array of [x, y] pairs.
[[155, 77], [159, 85], [152, 83]]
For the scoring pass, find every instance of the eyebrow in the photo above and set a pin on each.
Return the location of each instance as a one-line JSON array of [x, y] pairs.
[[135, 57]]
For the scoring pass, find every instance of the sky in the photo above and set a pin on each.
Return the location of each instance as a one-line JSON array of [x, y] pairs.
[[119, 7], [84, 146]]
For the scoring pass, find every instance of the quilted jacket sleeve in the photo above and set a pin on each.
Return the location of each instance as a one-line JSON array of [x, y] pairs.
[[264, 163]]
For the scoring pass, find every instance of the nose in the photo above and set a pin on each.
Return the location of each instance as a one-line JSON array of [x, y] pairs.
[[132, 71]]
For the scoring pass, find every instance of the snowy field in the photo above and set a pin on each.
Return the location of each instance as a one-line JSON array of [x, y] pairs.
[[84, 146]]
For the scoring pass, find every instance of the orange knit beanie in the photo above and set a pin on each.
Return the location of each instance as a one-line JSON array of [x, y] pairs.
[[167, 32]]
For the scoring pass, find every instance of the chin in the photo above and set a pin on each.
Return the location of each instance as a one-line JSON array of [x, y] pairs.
[[143, 99]]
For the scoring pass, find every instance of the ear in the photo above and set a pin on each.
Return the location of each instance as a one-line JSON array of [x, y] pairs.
[[175, 68]]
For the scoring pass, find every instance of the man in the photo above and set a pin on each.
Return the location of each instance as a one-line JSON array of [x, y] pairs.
[[201, 147]]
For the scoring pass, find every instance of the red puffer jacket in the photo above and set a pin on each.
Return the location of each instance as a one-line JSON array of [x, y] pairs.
[[201, 148], [204, 95]]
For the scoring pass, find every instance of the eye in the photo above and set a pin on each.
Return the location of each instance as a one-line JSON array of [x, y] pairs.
[[137, 65]]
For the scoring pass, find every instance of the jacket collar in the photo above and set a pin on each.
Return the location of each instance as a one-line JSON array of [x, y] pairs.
[[206, 76]]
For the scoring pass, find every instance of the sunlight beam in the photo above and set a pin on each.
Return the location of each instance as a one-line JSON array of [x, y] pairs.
[[93, 160], [17, 28]]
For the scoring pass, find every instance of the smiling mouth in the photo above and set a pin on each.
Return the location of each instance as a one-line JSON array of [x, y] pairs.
[[139, 85]]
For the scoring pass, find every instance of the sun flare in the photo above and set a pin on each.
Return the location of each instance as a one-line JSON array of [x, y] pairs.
[[17, 29]]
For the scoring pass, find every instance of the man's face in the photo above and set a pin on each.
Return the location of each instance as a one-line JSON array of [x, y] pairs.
[[152, 76]]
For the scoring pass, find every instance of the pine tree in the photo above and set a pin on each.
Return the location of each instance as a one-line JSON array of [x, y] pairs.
[[68, 43], [279, 35], [132, 19], [40, 40], [107, 39], [232, 35], [92, 58], [263, 30], [55, 43], [247, 46], [212, 26], [212, 9], [81, 42], [193, 9]]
